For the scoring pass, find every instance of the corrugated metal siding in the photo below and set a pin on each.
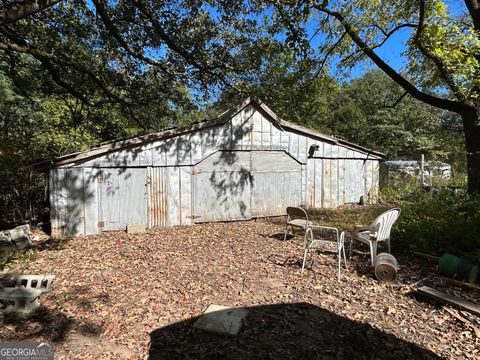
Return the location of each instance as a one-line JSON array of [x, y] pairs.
[[222, 187], [169, 194], [67, 201], [206, 175], [122, 197], [276, 183]]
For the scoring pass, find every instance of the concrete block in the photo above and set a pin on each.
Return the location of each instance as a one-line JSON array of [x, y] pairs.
[[221, 320], [136, 228]]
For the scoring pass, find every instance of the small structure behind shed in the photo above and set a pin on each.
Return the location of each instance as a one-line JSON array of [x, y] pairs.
[[246, 163], [412, 168]]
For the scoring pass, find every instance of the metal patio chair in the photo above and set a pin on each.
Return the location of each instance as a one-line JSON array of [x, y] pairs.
[[325, 238], [296, 218], [378, 231]]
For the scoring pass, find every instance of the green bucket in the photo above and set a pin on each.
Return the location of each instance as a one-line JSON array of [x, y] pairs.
[[452, 266], [448, 265]]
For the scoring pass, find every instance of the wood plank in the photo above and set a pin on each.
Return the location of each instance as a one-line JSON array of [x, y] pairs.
[[449, 299]]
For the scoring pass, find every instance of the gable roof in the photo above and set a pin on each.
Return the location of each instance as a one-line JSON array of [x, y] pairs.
[[117, 145]]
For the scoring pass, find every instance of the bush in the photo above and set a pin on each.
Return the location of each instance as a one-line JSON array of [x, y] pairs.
[[446, 220]]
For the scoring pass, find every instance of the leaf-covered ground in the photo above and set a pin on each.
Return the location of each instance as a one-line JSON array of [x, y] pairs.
[[134, 296]]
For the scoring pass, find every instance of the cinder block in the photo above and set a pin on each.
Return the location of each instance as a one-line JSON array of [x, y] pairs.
[[221, 320], [136, 228]]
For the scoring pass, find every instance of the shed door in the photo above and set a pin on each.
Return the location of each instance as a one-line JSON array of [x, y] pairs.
[[276, 183], [222, 187], [122, 196]]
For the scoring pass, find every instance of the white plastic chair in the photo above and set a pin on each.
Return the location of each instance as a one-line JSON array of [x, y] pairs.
[[323, 237], [378, 231], [296, 217]]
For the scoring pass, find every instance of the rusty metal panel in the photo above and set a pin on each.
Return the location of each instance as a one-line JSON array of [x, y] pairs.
[[169, 196], [328, 183], [158, 198], [310, 183], [319, 165]]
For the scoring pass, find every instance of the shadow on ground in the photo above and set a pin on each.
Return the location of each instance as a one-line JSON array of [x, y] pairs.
[[50, 325], [285, 331]]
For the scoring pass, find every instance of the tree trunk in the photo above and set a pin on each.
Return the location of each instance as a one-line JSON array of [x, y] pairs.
[[471, 125]]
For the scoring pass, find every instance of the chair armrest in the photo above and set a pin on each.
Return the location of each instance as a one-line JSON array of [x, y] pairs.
[[359, 228]]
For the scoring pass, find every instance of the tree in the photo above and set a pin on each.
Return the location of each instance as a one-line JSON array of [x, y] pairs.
[[443, 50], [146, 57]]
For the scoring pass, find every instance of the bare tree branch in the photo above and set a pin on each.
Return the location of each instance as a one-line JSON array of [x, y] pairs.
[[112, 29], [189, 57], [396, 101], [394, 75], [49, 61], [473, 7], [329, 52]]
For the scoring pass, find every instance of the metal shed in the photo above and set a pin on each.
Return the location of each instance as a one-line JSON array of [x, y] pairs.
[[246, 163]]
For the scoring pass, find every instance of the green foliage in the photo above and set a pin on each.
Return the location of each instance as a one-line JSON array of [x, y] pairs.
[[24, 256], [348, 216], [446, 221]]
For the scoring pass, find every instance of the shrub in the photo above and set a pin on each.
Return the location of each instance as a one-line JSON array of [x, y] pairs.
[[446, 220]]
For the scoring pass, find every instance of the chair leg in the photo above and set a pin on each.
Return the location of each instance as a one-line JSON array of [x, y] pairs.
[[351, 246], [344, 258], [373, 251], [339, 263], [304, 260], [388, 246], [286, 231]]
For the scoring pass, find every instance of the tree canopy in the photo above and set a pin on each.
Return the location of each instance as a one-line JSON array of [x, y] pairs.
[[443, 50]]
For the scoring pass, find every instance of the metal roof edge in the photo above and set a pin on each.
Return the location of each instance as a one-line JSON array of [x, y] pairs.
[[138, 140], [223, 118]]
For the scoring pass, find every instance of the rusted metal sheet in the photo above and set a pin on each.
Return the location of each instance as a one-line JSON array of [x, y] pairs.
[[169, 194]]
